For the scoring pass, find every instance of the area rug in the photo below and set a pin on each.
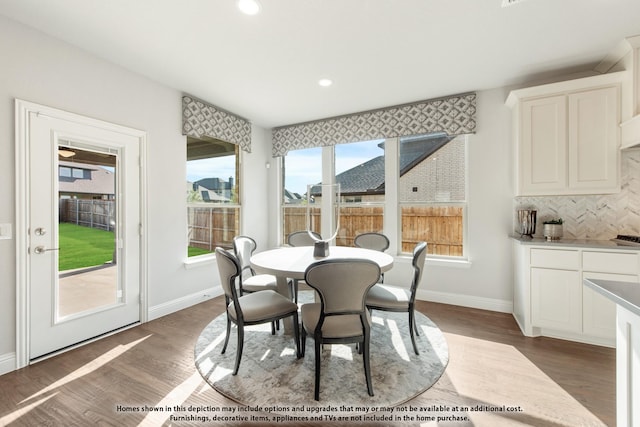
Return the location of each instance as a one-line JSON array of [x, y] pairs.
[[271, 377]]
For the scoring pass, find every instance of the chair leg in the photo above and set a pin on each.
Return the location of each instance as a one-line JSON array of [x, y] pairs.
[[273, 327], [367, 366], [239, 349], [303, 340], [413, 314], [318, 348], [226, 338], [412, 328], [296, 334], [294, 285]]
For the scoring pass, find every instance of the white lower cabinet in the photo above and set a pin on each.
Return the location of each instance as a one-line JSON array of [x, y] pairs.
[[556, 299], [551, 300]]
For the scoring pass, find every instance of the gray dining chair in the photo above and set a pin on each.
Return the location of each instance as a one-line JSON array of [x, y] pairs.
[[400, 299], [341, 315], [373, 241], [251, 309], [301, 238], [249, 281]]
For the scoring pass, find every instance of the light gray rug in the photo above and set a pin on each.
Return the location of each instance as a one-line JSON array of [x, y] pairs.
[[270, 375]]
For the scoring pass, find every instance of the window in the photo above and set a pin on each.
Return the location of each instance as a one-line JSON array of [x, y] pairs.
[[301, 168], [361, 174], [213, 209], [425, 197], [432, 193]]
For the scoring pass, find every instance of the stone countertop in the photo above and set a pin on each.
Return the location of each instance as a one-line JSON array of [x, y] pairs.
[[577, 243], [625, 294]]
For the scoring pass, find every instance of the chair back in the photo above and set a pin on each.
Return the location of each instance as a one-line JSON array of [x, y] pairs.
[[342, 284], [229, 270], [302, 238], [419, 255], [244, 246], [375, 241]]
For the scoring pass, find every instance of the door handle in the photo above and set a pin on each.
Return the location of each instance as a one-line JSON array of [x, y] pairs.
[[41, 249]]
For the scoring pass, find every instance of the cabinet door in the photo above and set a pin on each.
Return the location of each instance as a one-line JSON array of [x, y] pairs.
[[593, 140], [598, 312], [556, 299], [543, 148]]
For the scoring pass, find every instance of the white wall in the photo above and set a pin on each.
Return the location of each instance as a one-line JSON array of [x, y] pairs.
[[487, 281], [44, 70]]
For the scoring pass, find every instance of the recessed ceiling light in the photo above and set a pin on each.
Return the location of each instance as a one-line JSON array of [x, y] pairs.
[[325, 82], [249, 7]]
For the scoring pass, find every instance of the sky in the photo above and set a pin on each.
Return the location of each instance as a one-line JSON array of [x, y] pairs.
[[302, 167]]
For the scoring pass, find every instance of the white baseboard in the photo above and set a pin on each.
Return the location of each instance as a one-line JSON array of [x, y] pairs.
[[482, 303], [183, 302], [7, 363]]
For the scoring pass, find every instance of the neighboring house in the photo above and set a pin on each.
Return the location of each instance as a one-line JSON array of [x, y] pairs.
[[366, 182], [292, 198], [214, 189], [85, 181], [198, 193]]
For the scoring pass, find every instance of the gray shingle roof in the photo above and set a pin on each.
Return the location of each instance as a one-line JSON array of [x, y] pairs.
[[368, 177]]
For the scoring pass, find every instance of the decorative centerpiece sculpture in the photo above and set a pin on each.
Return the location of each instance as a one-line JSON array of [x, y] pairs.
[[328, 197]]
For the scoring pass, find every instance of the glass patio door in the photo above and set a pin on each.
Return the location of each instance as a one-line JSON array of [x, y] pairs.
[[83, 234]]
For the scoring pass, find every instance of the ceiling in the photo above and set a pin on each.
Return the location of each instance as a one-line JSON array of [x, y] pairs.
[[377, 52]]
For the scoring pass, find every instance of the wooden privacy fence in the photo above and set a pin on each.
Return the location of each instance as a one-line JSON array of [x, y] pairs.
[[88, 213], [439, 226], [210, 227]]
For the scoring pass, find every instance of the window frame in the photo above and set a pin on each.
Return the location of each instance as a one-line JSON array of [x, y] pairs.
[[392, 207], [195, 259]]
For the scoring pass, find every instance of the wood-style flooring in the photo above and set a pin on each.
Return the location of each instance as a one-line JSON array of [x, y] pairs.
[[553, 382]]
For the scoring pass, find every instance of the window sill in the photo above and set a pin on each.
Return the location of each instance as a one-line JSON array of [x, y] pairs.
[[199, 261], [439, 262], [449, 263]]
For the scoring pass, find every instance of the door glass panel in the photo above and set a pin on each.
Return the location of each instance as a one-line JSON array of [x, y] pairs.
[[87, 235]]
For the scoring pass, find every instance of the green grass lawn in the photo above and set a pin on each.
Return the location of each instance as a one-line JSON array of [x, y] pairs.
[[83, 246], [191, 251]]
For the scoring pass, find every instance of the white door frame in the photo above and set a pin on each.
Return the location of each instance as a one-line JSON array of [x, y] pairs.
[[22, 111]]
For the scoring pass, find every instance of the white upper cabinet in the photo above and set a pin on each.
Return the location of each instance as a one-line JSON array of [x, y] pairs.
[[543, 145], [567, 137]]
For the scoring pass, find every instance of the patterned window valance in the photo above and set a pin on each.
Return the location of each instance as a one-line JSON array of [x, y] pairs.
[[454, 115], [201, 119]]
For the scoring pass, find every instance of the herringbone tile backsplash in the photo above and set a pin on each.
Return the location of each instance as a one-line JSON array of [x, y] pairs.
[[599, 217]]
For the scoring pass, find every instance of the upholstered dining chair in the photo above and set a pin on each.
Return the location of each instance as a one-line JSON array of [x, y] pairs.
[[251, 309], [400, 299], [300, 238], [341, 315], [244, 247], [374, 241]]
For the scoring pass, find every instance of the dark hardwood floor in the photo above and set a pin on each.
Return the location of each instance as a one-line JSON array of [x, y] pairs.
[[492, 366]]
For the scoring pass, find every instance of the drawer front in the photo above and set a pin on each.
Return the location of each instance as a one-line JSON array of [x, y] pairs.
[[555, 258], [610, 262]]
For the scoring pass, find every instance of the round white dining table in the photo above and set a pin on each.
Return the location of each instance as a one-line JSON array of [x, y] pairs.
[[291, 263]]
